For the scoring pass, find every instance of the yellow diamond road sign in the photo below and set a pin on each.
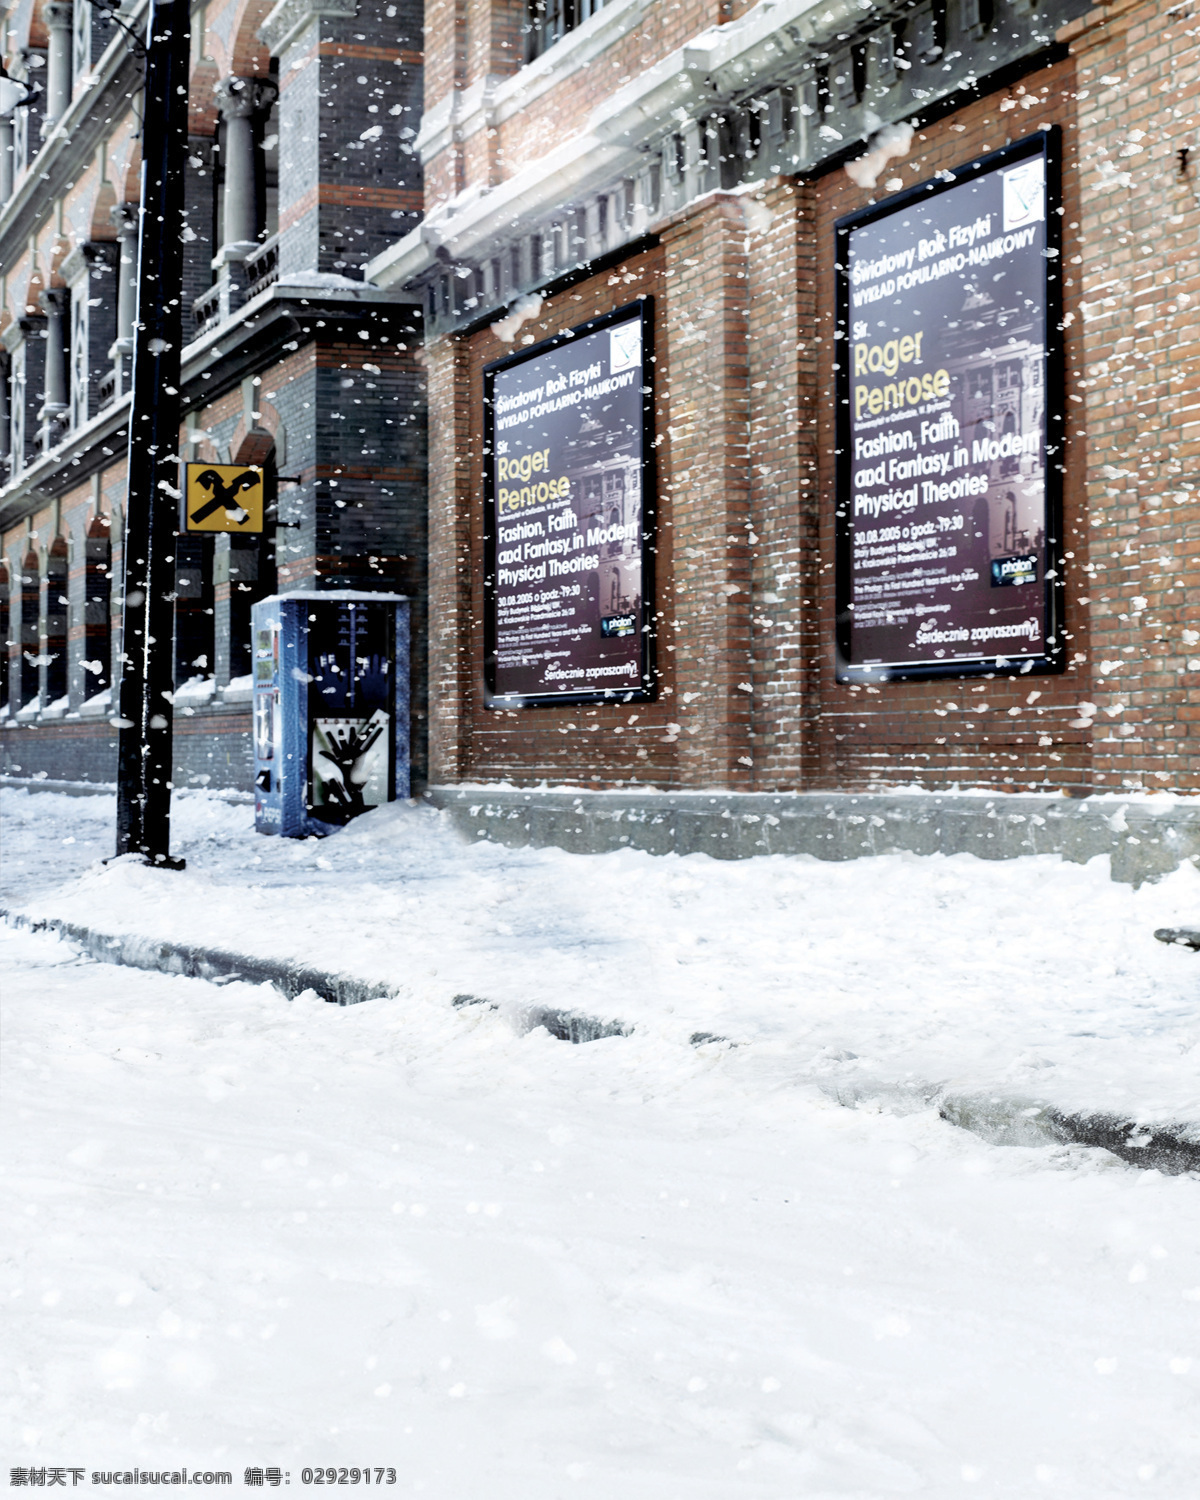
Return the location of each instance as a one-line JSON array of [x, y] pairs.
[[223, 497]]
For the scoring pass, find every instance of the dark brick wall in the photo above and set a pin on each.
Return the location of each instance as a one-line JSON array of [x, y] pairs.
[[371, 522], [349, 179], [199, 206], [350, 183], [213, 748], [63, 751]]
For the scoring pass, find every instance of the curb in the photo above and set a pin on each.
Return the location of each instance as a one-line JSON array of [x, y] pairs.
[[1004, 1121], [1182, 937], [213, 964], [220, 966], [1171, 1149]]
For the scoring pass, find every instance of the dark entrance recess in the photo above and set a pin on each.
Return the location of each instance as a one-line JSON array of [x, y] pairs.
[[4, 665], [253, 573], [30, 642], [56, 622], [195, 633], [97, 608]]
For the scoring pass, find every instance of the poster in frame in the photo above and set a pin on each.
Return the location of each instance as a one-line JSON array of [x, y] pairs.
[[950, 424], [569, 516]]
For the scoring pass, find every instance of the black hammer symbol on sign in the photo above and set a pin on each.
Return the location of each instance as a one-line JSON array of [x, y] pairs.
[[214, 497]]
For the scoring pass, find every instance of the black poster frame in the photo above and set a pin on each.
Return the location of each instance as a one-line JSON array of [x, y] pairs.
[[647, 688], [1046, 142]]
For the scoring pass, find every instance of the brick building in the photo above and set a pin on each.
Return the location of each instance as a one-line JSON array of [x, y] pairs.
[[696, 154], [563, 162], [300, 169]]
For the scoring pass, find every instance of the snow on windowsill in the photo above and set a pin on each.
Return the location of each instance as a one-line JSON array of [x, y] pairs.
[[194, 691], [96, 706]]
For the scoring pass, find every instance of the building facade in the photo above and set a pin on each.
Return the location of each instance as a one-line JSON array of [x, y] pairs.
[[700, 156], [300, 168], [380, 217]]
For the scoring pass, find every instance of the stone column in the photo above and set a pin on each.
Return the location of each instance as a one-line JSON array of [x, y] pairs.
[[13, 342], [6, 158], [56, 304], [58, 16], [239, 100], [124, 216]]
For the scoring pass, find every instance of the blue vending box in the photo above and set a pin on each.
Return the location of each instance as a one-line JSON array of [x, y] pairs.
[[331, 721]]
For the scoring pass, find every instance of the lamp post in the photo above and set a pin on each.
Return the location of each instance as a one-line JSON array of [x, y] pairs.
[[152, 507]]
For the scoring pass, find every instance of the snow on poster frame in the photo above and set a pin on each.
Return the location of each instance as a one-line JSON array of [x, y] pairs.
[[568, 516], [950, 424]]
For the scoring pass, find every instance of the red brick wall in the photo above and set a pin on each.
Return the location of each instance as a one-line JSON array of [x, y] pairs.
[[1138, 284], [466, 40], [784, 561], [744, 287], [601, 745], [453, 464], [744, 292]]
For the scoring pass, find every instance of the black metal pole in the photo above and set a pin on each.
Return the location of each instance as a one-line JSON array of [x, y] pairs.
[[152, 507]]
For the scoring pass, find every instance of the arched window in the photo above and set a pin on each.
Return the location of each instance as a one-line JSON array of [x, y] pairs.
[[55, 650], [97, 608], [195, 625]]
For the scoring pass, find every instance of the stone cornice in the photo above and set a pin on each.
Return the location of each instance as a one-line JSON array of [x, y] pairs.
[[289, 18], [685, 81], [788, 88]]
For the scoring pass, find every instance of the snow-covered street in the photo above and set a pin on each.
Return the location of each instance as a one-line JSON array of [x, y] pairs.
[[242, 1231], [1032, 976]]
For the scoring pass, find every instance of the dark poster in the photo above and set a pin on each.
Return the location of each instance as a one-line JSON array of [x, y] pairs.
[[567, 512], [950, 425]]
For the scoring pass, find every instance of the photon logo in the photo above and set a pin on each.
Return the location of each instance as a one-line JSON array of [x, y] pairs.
[[1013, 570]]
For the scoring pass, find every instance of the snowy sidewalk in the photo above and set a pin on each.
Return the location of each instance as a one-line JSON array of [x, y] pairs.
[[1029, 977], [240, 1231]]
